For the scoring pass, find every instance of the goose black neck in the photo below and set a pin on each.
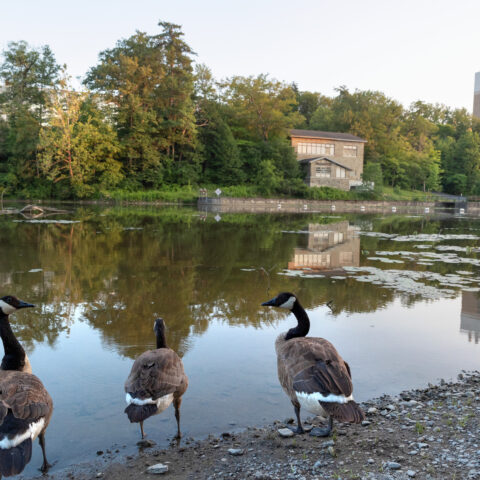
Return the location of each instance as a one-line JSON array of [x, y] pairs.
[[14, 358], [303, 322], [161, 341]]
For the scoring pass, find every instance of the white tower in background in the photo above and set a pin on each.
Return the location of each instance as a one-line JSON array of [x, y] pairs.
[[476, 96]]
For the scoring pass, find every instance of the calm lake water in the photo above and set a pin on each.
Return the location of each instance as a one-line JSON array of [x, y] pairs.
[[404, 311]]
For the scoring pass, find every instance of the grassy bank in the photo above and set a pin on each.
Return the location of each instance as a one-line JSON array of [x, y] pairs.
[[189, 194]]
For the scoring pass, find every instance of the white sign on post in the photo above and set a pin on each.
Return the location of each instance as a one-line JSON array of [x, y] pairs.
[[218, 192]]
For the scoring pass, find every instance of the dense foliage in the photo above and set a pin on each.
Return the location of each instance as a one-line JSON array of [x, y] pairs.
[[149, 118]]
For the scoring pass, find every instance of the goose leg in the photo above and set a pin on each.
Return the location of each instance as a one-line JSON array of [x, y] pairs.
[[176, 403], [141, 429], [299, 428], [45, 466], [323, 432]]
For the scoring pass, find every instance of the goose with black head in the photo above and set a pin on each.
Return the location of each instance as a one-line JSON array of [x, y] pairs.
[[25, 405], [312, 372], [156, 380]]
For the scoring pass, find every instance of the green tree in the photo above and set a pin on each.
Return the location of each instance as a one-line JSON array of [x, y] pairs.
[[78, 148], [27, 75], [261, 109], [149, 79]]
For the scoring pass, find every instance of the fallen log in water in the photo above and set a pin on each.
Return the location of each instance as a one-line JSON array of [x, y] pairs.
[[32, 211]]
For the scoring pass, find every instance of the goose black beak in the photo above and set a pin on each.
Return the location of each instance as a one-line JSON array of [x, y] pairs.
[[24, 305], [270, 303]]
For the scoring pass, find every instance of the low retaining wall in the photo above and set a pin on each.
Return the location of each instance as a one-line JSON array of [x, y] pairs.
[[228, 204]]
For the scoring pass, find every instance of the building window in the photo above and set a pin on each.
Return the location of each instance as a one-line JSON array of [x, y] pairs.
[[350, 151], [323, 171], [340, 172], [316, 148]]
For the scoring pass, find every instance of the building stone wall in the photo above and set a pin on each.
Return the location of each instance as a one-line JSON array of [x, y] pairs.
[[262, 205], [354, 163]]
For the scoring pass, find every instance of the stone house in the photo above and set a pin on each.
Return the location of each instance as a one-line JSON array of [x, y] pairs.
[[329, 159]]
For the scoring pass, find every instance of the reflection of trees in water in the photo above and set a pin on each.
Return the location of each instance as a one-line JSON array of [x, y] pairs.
[[122, 269]]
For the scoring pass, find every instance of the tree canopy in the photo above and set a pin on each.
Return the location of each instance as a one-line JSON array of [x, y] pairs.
[[148, 117]]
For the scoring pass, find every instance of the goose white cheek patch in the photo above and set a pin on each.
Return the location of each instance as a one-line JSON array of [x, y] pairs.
[[288, 304], [6, 308]]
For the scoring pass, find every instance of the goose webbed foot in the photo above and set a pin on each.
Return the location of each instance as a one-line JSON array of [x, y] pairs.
[[323, 432], [45, 467], [298, 430]]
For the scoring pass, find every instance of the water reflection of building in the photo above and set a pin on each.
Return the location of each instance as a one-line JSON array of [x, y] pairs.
[[470, 316], [329, 247]]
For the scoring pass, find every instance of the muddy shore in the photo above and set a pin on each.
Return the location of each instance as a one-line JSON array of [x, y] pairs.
[[430, 433]]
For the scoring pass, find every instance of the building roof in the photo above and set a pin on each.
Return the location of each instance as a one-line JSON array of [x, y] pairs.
[[348, 137], [312, 159]]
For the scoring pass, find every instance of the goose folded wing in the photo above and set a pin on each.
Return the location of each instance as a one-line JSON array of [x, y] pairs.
[[154, 376], [326, 376], [25, 396]]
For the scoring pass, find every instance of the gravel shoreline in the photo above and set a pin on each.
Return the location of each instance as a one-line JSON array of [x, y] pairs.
[[429, 433]]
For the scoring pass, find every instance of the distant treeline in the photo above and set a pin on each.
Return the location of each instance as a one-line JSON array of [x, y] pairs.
[[148, 117]]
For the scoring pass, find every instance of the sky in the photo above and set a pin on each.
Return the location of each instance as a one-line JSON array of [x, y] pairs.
[[410, 50]]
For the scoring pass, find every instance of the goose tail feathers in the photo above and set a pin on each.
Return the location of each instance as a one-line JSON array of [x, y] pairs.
[[138, 413], [344, 412], [13, 460]]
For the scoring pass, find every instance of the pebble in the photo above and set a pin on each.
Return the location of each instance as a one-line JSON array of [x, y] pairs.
[[145, 443], [285, 432], [331, 451], [394, 466], [235, 451], [157, 469], [411, 473], [365, 423], [319, 464]]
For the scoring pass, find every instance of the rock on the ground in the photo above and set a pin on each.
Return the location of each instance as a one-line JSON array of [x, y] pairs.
[[157, 469], [145, 443], [235, 451], [285, 432]]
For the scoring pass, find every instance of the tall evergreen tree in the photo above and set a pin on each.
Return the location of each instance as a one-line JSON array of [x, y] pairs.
[[149, 79]]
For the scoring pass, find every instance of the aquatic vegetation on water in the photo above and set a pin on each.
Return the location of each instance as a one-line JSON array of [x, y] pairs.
[[34, 220]]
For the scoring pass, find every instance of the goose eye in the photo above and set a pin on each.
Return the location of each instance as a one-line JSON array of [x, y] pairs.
[[149, 365]]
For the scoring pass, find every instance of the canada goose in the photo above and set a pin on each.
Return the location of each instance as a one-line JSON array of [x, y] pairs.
[[25, 405], [15, 357], [312, 373], [157, 378]]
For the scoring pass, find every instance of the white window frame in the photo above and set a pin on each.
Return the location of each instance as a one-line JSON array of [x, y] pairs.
[[311, 148], [350, 151]]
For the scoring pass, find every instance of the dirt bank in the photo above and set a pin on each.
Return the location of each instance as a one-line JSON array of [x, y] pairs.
[[422, 434]]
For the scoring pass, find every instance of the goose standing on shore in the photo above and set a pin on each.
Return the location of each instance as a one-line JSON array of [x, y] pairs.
[[312, 372], [25, 405], [157, 378]]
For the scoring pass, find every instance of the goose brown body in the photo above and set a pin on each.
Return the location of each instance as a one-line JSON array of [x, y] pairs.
[[312, 365], [25, 412], [156, 380], [25, 405]]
